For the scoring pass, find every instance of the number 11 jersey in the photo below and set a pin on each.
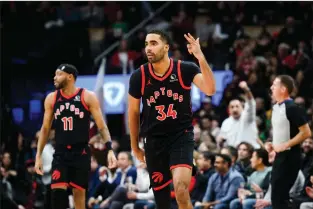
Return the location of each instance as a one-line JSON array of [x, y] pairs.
[[166, 100], [71, 118]]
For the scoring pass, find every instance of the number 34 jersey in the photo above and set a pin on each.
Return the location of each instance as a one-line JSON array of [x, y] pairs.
[[166, 100], [71, 118]]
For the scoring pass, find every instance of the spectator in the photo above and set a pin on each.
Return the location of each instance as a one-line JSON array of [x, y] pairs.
[[307, 155], [94, 180], [260, 177], [133, 190], [294, 191], [288, 34], [143, 195], [233, 153], [125, 173], [220, 193], [119, 27], [93, 14], [245, 151], [121, 59], [241, 124], [205, 164]]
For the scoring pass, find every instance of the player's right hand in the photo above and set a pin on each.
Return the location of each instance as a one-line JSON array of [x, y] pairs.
[[140, 155], [38, 166], [112, 162]]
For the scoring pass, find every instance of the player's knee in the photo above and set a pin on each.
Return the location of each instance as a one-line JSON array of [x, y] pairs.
[[79, 194], [181, 191]]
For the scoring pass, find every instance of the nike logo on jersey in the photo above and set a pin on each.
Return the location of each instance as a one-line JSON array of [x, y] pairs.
[[67, 106], [164, 92]]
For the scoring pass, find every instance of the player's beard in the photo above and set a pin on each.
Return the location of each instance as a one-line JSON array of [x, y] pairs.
[[61, 85], [157, 57]]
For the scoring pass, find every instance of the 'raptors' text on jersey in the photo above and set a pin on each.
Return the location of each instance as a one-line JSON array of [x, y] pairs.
[[71, 118], [166, 100]]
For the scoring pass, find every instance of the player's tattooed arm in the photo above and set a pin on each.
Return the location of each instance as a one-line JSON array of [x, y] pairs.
[[47, 122], [204, 81], [95, 110]]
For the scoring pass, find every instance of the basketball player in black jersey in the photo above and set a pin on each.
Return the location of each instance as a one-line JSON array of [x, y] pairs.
[[70, 107], [163, 85]]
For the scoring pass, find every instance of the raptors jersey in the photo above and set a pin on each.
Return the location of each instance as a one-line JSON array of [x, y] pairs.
[[166, 101], [71, 118]]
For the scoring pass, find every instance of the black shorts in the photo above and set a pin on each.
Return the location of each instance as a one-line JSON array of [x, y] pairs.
[[164, 154], [71, 167], [285, 171]]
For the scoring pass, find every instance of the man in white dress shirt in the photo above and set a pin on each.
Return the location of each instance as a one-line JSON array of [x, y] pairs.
[[240, 126]]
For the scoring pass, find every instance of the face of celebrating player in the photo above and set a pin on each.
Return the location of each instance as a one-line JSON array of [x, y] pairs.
[[156, 48], [61, 79]]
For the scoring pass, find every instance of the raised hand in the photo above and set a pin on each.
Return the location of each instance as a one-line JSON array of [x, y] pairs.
[[193, 46]]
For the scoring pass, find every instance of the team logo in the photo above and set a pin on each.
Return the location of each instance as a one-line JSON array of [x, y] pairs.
[[56, 175], [77, 99], [113, 93], [157, 177], [173, 78]]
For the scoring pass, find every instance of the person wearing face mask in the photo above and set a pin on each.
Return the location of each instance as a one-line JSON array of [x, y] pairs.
[[240, 126]]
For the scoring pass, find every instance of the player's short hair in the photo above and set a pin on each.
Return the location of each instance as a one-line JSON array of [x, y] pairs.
[[226, 158], [288, 82], [163, 36]]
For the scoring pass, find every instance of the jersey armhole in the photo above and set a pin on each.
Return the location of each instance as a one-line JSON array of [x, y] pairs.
[[83, 100], [180, 77], [55, 98], [143, 79]]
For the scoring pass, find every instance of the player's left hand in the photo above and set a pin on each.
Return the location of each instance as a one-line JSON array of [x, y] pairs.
[[280, 147], [193, 46], [112, 162]]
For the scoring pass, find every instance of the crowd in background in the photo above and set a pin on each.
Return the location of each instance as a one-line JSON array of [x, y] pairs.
[[60, 31]]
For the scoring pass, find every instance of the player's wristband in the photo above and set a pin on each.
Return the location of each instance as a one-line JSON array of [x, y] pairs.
[[108, 145]]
